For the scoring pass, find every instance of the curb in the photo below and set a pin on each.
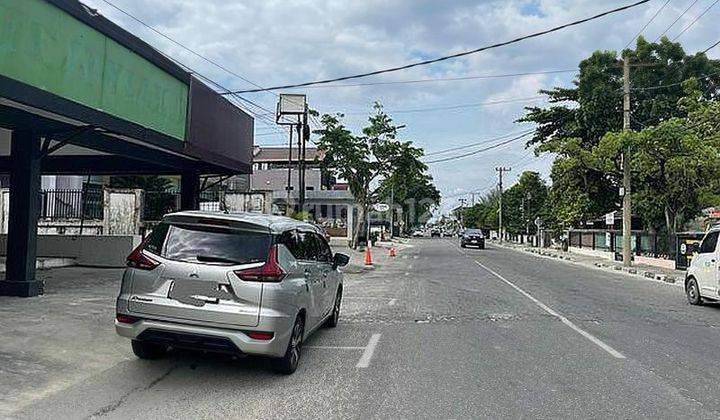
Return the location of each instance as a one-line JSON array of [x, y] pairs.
[[629, 271]]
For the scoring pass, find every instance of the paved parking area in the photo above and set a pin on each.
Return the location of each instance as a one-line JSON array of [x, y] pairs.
[[61, 347]]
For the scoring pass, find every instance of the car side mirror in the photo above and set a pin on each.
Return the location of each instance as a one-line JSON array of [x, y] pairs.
[[340, 260]]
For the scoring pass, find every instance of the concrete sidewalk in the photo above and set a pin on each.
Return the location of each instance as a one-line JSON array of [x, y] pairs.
[[663, 275]]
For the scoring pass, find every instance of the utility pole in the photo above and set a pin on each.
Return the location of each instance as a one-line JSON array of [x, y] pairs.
[[627, 205], [288, 209], [500, 171], [462, 211], [392, 209]]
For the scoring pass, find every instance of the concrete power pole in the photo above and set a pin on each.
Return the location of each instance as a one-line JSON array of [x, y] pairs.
[[500, 171], [627, 205], [462, 211]]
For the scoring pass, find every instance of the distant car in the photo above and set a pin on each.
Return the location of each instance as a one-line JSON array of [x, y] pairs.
[[418, 233], [435, 234], [472, 237], [701, 281], [234, 283]]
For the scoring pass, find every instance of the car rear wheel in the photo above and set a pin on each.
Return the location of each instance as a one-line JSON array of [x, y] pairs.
[[145, 350], [693, 292], [335, 316], [289, 362]]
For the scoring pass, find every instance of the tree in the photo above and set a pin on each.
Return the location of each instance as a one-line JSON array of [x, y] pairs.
[[579, 117], [674, 164], [410, 187], [523, 202], [484, 214], [365, 160]]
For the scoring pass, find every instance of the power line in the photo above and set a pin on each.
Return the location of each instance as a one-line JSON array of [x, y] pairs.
[[452, 149], [695, 20], [647, 24], [672, 84], [711, 47], [451, 107], [195, 53], [260, 117], [451, 56], [485, 149], [675, 21], [443, 79]]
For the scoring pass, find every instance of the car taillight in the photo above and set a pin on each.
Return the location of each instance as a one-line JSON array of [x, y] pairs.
[[126, 319], [268, 272], [260, 335], [138, 260]]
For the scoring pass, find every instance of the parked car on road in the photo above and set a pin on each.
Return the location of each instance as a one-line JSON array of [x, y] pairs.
[[234, 283], [702, 278], [473, 237]]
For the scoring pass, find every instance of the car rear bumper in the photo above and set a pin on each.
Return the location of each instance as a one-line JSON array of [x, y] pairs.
[[207, 338]]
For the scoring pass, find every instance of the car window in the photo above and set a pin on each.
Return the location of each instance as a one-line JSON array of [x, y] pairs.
[[325, 253], [308, 246], [709, 243], [215, 245], [156, 240], [292, 242]]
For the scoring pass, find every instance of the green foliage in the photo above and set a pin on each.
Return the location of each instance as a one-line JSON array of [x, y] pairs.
[[147, 183], [484, 214], [302, 216], [674, 165], [578, 119], [523, 202], [374, 162]]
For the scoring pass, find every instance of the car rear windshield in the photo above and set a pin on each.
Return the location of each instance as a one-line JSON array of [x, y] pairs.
[[208, 244], [475, 232]]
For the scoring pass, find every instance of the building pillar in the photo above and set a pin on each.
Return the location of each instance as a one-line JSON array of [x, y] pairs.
[[24, 210], [190, 191], [350, 223]]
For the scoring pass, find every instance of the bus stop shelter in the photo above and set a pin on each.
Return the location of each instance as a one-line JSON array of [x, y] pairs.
[[80, 95]]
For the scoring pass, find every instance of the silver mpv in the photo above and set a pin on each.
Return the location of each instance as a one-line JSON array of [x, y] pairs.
[[233, 283]]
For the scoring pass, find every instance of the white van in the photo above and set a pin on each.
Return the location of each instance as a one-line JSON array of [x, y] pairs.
[[702, 281]]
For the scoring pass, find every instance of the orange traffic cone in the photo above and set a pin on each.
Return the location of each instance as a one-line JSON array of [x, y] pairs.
[[393, 253], [368, 256]]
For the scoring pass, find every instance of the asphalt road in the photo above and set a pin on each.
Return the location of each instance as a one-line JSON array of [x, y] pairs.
[[444, 332]]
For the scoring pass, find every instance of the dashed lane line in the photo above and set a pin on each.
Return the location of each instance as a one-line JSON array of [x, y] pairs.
[[369, 351], [616, 354]]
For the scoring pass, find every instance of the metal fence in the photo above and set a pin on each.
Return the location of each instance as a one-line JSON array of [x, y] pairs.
[[159, 203], [85, 203], [646, 244]]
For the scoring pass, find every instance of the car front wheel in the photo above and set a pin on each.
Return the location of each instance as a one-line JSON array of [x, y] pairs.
[[693, 292]]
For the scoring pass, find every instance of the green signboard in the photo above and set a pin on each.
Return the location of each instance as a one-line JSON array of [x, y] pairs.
[[43, 46]]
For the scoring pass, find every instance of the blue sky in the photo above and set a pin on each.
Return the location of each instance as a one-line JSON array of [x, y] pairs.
[[277, 42]]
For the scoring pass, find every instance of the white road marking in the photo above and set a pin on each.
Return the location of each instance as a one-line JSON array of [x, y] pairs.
[[335, 347], [415, 257], [407, 274], [564, 320], [364, 297], [368, 353], [392, 302]]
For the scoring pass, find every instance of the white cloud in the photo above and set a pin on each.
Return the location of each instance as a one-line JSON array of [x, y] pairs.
[[277, 42]]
